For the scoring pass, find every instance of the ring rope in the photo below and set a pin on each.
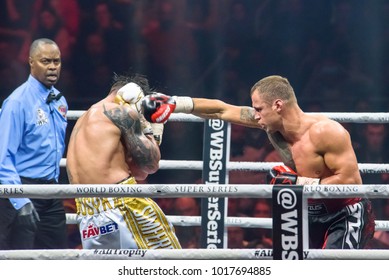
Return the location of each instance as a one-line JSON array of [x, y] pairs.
[[365, 117], [345, 117], [189, 190], [187, 254], [177, 117], [188, 221], [249, 166], [243, 222]]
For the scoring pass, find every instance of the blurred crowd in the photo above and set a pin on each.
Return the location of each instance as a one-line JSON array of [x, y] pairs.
[[335, 53]]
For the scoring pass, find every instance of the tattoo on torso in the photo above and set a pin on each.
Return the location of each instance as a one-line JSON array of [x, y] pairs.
[[280, 145], [276, 139]]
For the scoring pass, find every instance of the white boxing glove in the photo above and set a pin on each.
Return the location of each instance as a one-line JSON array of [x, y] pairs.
[[131, 94]]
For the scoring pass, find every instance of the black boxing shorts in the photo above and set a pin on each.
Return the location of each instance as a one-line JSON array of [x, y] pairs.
[[350, 228]]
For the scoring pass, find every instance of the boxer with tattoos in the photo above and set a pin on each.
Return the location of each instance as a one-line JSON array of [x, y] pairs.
[[314, 149], [112, 143]]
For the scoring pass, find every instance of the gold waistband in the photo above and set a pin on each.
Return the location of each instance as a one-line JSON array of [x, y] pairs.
[[96, 205], [127, 181]]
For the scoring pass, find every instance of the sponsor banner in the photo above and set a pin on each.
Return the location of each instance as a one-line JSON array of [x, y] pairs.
[[92, 230], [11, 191], [124, 252], [340, 189], [287, 222], [144, 190], [214, 172], [110, 190]]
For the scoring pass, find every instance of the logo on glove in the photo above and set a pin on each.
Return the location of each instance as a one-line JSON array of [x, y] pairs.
[[158, 107]]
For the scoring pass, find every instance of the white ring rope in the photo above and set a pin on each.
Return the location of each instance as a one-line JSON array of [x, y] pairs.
[[192, 190], [345, 117], [365, 117], [189, 190], [187, 254], [250, 166], [177, 117], [188, 221], [243, 222]]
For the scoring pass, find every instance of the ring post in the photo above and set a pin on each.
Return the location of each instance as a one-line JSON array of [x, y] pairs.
[[213, 209], [287, 222]]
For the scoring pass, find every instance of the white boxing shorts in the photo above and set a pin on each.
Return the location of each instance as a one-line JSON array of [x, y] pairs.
[[124, 223]]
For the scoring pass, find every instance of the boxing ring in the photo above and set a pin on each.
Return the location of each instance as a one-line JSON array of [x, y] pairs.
[[204, 191]]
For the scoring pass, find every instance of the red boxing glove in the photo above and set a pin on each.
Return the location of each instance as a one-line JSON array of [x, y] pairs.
[[158, 107], [282, 175]]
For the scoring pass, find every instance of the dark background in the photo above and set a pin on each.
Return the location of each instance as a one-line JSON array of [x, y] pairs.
[[334, 53]]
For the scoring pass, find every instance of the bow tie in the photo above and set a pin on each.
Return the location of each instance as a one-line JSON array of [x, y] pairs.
[[52, 97]]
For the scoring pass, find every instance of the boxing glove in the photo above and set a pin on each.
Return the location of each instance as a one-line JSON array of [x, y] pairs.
[[284, 175], [131, 94], [158, 107]]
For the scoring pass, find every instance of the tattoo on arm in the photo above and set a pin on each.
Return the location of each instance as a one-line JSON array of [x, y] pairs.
[[122, 118], [282, 148], [143, 151], [247, 114], [138, 147]]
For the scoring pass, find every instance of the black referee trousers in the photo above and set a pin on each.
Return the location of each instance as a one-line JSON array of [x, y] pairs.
[[51, 232]]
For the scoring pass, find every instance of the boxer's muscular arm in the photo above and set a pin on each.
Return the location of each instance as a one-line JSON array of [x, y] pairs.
[[217, 109], [158, 108], [141, 150], [338, 153]]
